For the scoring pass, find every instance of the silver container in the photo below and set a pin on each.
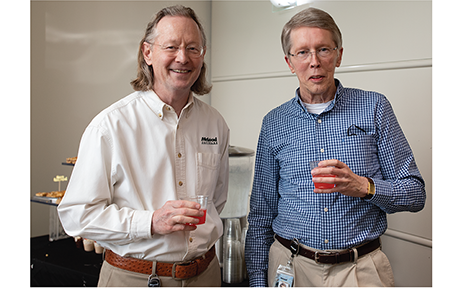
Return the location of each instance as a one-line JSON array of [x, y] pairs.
[[233, 260], [230, 250], [241, 162]]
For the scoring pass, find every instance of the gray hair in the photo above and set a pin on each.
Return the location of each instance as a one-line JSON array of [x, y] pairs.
[[145, 77], [311, 17]]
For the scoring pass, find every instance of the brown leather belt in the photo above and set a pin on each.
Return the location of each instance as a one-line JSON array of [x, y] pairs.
[[332, 257], [177, 270]]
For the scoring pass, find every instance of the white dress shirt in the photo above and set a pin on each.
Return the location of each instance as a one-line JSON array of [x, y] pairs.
[[136, 155]]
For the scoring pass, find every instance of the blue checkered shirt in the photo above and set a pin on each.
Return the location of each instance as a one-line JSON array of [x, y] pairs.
[[282, 199]]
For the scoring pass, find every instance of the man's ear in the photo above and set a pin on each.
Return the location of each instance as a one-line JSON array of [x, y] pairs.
[[340, 58], [289, 64], [147, 52]]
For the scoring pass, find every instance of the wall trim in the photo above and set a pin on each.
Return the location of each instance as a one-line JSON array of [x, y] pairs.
[[407, 64], [251, 76], [409, 238]]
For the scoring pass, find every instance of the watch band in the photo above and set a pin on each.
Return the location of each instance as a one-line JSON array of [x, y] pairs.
[[371, 189]]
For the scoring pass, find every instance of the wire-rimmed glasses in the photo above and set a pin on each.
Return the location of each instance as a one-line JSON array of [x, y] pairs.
[[304, 54], [193, 51]]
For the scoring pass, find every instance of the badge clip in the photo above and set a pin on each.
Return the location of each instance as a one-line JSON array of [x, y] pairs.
[[153, 281]]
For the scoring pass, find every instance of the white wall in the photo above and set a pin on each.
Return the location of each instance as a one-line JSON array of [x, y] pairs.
[[387, 48]]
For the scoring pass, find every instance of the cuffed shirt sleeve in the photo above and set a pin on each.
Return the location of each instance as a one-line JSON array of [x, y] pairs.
[[402, 187], [87, 209]]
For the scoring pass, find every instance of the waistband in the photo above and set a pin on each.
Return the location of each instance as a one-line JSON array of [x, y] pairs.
[[333, 257], [177, 270]]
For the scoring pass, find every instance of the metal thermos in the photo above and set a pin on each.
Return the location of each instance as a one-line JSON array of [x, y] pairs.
[[241, 162], [230, 247]]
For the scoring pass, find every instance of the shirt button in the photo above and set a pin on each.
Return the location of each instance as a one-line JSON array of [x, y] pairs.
[[325, 209], [160, 115], [180, 183], [319, 121], [190, 239], [322, 150], [326, 241], [179, 155]]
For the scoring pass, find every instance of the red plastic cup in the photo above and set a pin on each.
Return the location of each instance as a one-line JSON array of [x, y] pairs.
[[203, 201], [321, 185]]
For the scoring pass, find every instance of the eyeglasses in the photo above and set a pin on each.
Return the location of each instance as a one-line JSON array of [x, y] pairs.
[[303, 55], [353, 130], [193, 51]]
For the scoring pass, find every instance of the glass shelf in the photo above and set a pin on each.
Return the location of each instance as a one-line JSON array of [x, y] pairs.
[[46, 200], [56, 231]]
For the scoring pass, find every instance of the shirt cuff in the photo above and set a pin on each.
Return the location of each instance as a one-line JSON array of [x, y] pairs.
[[141, 224]]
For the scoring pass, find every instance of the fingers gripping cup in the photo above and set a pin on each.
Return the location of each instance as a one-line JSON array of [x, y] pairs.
[[203, 201], [320, 185]]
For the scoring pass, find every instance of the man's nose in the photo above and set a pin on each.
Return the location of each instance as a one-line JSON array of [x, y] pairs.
[[314, 59], [182, 56]]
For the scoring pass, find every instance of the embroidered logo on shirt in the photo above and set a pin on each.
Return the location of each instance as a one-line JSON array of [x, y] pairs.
[[210, 141]]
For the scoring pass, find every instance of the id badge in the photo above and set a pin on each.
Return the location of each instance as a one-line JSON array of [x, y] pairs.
[[285, 276]]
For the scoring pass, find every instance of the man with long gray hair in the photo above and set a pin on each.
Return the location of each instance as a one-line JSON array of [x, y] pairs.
[[139, 157]]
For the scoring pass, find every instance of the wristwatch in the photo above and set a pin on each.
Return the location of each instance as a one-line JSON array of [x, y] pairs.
[[371, 189]]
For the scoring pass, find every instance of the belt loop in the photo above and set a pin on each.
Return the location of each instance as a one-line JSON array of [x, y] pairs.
[[356, 255], [154, 267], [294, 247], [153, 280]]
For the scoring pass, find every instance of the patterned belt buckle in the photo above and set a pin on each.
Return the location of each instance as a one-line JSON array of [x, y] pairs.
[[183, 263], [316, 257], [321, 253]]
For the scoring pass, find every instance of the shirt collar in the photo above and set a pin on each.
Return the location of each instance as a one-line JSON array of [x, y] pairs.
[[158, 106], [338, 95]]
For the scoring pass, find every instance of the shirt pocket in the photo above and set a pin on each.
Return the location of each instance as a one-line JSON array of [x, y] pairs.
[[207, 172], [364, 154]]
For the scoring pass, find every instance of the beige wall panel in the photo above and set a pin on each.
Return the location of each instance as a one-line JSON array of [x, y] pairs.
[[246, 38], [411, 263], [246, 34], [244, 104], [382, 31]]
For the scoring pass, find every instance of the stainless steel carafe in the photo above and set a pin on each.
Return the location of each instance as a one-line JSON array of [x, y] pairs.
[[241, 162], [230, 247]]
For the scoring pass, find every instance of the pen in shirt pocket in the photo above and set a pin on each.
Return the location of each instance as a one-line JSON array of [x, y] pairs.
[[354, 130]]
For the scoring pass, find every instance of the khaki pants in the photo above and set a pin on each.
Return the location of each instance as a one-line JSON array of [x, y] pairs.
[[372, 269], [111, 276]]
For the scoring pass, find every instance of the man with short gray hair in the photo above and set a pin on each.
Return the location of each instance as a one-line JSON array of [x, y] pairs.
[[321, 225]]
